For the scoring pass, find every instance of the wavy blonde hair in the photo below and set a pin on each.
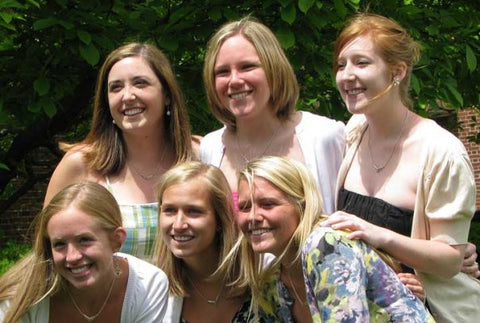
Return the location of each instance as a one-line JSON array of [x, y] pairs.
[[34, 277]]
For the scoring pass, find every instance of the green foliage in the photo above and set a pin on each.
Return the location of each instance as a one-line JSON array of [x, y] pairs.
[[10, 253], [50, 52]]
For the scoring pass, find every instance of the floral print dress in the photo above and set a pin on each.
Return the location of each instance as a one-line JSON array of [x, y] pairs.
[[347, 281]]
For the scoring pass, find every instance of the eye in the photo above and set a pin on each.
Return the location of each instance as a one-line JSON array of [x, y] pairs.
[[363, 62], [168, 210], [193, 211], [221, 72], [114, 87], [340, 66], [244, 206], [268, 204], [57, 245], [140, 83], [85, 240], [249, 66]]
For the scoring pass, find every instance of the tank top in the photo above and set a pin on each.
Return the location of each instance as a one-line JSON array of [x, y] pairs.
[[140, 221]]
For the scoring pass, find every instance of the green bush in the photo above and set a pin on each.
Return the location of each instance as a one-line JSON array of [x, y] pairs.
[[10, 253]]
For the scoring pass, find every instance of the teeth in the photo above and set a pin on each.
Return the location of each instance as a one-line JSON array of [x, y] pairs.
[[238, 96], [79, 270], [132, 112], [353, 92], [182, 238], [259, 231]]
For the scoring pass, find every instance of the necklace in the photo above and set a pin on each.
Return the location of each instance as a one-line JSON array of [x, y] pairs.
[[209, 301], [118, 272], [270, 140], [377, 168], [157, 169], [295, 291]]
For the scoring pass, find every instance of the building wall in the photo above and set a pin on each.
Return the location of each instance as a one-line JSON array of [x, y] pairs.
[[469, 127]]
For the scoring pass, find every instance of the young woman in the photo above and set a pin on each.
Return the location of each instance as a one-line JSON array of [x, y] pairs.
[[406, 185], [74, 269], [252, 89], [139, 130], [196, 232], [333, 278]]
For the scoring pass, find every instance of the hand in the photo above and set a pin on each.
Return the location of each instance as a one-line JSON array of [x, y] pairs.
[[360, 229], [414, 284], [470, 264]]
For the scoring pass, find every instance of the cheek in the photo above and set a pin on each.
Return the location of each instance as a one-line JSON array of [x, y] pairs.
[[241, 220]]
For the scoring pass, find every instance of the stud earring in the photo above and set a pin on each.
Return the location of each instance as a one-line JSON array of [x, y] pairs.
[[396, 81], [113, 121], [168, 113]]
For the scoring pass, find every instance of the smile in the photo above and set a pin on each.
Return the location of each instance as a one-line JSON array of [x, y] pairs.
[[132, 112], [239, 96], [79, 270], [256, 232], [182, 238], [353, 92]]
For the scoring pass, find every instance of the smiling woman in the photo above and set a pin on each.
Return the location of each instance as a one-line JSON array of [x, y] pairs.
[[252, 89], [196, 233], [139, 130], [75, 271]]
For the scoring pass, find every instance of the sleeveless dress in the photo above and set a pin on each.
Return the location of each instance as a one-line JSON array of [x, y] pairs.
[[140, 221]]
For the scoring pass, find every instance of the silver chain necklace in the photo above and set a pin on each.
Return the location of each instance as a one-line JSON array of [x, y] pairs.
[[209, 301], [377, 168], [270, 140]]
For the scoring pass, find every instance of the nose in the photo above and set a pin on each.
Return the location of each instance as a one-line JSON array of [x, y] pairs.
[[73, 254], [255, 215], [347, 73], [235, 78], [179, 222], [128, 94]]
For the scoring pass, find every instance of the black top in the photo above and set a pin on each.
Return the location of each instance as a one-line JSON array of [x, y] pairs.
[[376, 211]]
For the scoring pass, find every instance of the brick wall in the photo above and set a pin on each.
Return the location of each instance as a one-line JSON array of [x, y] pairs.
[[470, 128]]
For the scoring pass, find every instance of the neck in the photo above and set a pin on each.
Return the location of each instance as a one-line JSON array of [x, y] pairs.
[[258, 129], [385, 124], [203, 266]]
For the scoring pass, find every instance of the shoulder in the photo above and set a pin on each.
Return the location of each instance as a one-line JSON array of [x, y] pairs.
[[318, 123], [438, 138], [213, 136], [143, 271]]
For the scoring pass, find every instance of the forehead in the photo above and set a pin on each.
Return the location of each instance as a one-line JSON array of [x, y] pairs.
[[358, 45], [234, 48], [70, 222], [194, 189], [132, 65], [261, 186]]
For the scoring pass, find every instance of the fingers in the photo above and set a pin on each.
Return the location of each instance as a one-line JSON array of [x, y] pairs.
[[412, 282]]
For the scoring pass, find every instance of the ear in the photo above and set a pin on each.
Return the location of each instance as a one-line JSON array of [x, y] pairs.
[[399, 71], [167, 100], [118, 238]]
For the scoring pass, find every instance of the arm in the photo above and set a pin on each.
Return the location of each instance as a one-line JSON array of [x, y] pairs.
[[430, 256], [71, 169], [470, 264]]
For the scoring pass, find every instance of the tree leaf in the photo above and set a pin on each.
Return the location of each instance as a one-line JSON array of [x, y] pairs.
[[286, 37], [84, 36], [471, 59], [289, 14], [305, 5], [41, 85], [456, 94], [90, 54], [49, 108], [340, 8], [45, 23], [415, 84]]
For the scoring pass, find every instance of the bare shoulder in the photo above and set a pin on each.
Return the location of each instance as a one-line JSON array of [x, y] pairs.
[[196, 139], [71, 169]]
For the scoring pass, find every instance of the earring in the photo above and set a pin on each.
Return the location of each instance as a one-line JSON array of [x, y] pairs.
[[396, 81], [168, 113], [113, 121]]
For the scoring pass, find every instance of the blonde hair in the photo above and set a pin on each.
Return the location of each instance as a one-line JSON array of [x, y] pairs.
[[106, 151], [293, 179], [393, 42], [221, 201], [34, 277], [278, 70]]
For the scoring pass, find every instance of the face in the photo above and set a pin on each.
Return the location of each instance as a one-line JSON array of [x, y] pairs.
[[266, 216], [82, 250], [187, 221], [362, 75], [240, 80], [135, 94]]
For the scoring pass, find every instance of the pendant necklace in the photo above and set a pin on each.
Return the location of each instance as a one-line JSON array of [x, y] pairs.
[[118, 272], [209, 301], [270, 140], [149, 176], [378, 168]]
